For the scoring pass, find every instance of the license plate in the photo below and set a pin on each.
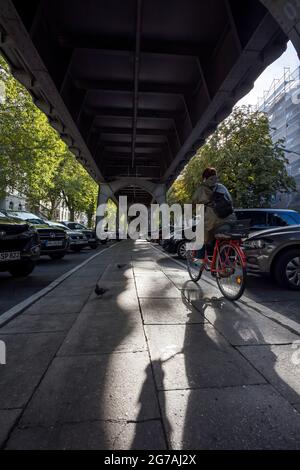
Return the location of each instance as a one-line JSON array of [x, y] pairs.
[[54, 243], [10, 256], [92, 239]]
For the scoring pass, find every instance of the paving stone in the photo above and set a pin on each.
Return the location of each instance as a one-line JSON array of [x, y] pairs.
[[97, 435], [60, 305], [42, 323], [149, 275], [197, 293], [196, 356], [28, 356], [121, 296], [157, 288], [72, 290], [240, 324], [105, 332], [84, 388], [169, 311], [8, 419], [280, 365], [237, 418], [121, 275]]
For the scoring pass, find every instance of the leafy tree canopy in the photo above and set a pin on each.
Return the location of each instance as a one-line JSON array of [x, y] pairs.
[[248, 162], [33, 158]]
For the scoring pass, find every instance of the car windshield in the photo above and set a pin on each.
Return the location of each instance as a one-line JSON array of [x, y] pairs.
[[36, 221], [75, 226], [2, 215]]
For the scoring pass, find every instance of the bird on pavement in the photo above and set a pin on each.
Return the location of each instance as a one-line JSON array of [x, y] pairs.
[[100, 290]]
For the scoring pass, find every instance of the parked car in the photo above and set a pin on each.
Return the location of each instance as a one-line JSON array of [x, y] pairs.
[[276, 252], [54, 241], [90, 234], [268, 218], [259, 219], [19, 246], [77, 240]]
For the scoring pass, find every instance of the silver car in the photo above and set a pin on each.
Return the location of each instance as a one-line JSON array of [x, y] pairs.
[[275, 252]]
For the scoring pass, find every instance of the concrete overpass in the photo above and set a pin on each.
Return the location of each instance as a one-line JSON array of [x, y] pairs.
[[135, 87]]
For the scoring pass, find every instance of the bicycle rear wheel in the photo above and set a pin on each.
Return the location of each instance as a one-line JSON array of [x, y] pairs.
[[195, 271], [231, 272]]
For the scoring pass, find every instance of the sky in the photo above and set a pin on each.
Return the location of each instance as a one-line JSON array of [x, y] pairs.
[[288, 59]]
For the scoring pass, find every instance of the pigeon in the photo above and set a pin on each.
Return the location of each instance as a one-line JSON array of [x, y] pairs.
[[120, 266], [100, 290]]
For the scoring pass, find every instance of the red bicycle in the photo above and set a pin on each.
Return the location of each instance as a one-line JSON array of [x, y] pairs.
[[227, 265]]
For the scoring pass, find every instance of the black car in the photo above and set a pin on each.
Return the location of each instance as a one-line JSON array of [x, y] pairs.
[[276, 252], [258, 219], [90, 234], [77, 240], [19, 246], [54, 241], [261, 219]]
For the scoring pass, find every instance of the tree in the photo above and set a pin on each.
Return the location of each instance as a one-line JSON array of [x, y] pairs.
[[248, 162], [35, 161], [78, 189]]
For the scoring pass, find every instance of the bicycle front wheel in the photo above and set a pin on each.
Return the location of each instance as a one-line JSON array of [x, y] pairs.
[[195, 270], [231, 272]]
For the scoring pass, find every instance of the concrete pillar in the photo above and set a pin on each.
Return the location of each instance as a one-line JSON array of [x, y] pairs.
[[160, 194]]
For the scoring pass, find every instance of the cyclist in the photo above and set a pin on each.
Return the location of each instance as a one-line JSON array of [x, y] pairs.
[[218, 207]]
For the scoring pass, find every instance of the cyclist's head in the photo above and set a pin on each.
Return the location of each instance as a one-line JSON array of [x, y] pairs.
[[208, 172]]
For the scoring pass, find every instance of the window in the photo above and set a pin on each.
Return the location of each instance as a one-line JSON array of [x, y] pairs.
[[258, 219], [282, 219]]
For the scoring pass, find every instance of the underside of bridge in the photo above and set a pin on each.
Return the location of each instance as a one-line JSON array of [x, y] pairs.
[[134, 87]]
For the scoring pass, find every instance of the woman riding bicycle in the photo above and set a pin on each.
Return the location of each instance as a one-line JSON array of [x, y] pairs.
[[218, 207]]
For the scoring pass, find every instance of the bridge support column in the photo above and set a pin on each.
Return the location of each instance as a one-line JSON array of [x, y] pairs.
[[160, 194], [287, 15]]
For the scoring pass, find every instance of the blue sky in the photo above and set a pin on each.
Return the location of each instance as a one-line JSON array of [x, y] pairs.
[[288, 59]]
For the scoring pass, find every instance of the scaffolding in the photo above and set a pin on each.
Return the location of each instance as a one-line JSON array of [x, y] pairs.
[[282, 105]]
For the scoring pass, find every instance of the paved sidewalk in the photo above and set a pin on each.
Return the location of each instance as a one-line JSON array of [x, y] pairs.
[[157, 362]]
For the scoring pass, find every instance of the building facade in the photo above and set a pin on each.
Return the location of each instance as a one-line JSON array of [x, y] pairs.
[[13, 201], [282, 105]]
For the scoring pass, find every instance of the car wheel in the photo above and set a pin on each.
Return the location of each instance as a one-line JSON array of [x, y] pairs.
[[57, 255], [22, 269], [181, 250], [287, 269]]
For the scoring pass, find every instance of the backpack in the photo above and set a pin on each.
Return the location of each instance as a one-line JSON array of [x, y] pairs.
[[221, 204]]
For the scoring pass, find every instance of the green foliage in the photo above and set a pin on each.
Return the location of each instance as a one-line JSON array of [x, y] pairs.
[[33, 158], [248, 162]]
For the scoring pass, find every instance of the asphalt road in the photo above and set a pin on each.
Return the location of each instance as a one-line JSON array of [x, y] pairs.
[[13, 291]]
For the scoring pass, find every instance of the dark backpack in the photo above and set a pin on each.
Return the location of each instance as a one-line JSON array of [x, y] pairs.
[[221, 204]]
